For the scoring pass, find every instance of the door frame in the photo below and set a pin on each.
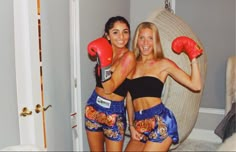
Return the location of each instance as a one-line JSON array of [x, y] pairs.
[[76, 104]]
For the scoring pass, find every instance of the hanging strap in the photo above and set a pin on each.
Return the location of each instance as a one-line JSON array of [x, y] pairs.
[[168, 6]]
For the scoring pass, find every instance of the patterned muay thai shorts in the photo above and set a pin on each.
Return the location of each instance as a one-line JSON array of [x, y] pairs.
[[156, 124], [106, 116]]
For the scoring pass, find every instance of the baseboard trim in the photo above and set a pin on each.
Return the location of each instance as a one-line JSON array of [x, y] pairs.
[[212, 111], [204, 135]]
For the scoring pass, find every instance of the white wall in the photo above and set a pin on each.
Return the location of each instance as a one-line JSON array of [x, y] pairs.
[[9, 128], [140, 10], [55, 38], [215, 26]]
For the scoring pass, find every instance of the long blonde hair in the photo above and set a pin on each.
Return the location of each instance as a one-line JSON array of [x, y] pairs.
[[158, 52]]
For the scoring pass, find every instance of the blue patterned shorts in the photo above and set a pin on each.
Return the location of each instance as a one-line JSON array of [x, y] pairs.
[[156, 124], [109, 117]]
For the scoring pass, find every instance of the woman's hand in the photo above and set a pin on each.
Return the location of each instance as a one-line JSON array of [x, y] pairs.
[[135, 134]]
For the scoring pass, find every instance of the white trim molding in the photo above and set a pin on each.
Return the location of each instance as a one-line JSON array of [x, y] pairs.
[[212, 111], [76, 105]]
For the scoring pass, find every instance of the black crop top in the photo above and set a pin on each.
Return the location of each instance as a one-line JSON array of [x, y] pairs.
[[146, 86], [121, 90]]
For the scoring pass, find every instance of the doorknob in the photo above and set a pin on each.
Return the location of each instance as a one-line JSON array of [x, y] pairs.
[[39, 108], [25, 112]]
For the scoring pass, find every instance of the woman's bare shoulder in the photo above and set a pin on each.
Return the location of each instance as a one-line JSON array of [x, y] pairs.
[[168, 63], [129, 55]]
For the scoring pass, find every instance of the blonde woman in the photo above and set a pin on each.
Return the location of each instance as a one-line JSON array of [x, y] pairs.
[[153, 126]]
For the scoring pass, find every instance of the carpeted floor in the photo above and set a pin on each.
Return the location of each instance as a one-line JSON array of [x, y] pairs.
[[194, 145], [197, 145], [191, 144]]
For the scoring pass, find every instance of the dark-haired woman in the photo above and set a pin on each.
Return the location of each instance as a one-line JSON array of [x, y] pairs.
[[105, 113]]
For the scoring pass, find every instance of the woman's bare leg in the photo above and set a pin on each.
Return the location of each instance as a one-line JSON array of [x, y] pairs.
[[95, 140], [155, 146], [115, 146], [134, 145]]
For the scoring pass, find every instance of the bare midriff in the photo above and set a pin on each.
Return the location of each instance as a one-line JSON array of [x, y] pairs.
[[145, 103], [112, 96]]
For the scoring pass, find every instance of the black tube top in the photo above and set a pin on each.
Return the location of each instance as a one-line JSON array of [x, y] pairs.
[[145, 86], [120, 90]]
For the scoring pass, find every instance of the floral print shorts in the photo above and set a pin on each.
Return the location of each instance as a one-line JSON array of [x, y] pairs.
[[106, 116], [156, 124]]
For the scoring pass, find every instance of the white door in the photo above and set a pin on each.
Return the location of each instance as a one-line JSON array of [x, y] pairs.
[[27, 72], [51, 126]]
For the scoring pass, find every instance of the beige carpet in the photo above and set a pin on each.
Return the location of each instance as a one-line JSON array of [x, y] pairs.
[[197, 145], [192, 145]]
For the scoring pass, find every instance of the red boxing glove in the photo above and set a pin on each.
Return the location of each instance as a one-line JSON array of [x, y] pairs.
[[187, 45], [102, 48]]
